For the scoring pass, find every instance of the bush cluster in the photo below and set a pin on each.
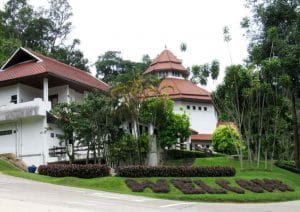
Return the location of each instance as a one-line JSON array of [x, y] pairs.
[[288, 165], [74, 170], [248, 185], [181, 154], [160, 186], [171, 171], [225, 184], [258, 186], [186, 186], [209, 189]]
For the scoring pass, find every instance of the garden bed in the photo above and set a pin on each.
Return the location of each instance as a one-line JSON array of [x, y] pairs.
[[117, 184]]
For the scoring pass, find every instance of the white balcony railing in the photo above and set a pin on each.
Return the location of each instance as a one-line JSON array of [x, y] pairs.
[[37, 107]]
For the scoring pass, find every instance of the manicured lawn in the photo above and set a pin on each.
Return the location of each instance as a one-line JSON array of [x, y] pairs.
[[116, 184]]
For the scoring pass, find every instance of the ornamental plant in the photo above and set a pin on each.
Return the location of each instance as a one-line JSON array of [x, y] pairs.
[[226, 139]]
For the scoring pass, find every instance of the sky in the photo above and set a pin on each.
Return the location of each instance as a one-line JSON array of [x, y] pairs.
[[138, 27]]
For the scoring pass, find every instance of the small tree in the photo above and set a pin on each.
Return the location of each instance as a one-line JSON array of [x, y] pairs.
[[226, 139], [67, 120]]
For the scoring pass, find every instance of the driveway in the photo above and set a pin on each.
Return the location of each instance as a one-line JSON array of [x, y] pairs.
[[18, 194]]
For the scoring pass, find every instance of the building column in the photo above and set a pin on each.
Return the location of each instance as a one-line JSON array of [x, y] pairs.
[[45, 90]]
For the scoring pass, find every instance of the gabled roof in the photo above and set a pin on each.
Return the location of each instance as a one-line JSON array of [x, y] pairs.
[[201, 137], [166, 61], [26, 63], [180, 89]]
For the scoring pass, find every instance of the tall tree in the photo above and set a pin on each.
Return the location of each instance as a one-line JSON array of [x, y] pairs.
[[275, 33], [43, 30]]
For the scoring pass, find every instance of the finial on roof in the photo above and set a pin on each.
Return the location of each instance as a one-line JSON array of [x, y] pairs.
[[165, 46]]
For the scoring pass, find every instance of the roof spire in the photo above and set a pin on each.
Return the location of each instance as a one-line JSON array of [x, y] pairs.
[[165, 46]]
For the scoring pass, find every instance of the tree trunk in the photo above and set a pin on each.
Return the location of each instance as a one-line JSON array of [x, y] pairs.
[[296, 132]]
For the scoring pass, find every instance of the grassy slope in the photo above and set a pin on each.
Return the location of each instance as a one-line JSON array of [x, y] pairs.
[[116, 184]]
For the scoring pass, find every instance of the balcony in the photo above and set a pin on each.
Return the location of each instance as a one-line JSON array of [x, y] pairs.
[[37, 107]]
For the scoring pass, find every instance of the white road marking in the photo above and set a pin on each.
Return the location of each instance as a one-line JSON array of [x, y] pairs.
[[176, 204]]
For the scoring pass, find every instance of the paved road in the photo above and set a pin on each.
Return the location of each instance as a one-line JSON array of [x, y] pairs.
[[18, 194]]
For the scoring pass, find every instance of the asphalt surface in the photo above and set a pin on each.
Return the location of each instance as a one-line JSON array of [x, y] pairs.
[[18, 194]]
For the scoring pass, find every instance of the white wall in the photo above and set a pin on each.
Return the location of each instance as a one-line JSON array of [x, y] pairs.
[[6, 93], [61, 91], [76, 96], [28, 93], [8, 142], [32, 134], [200, 120]]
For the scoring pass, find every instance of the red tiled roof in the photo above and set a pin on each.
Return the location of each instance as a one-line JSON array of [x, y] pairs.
[[47, 65], [166, 61], [180, 89], [201, 137]]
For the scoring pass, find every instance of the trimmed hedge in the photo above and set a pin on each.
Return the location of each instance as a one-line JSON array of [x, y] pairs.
[[186, 186], [288, 165], [160, 186], [181, 154], [225, 184], [180, 171], [209, 189], [74, 170]]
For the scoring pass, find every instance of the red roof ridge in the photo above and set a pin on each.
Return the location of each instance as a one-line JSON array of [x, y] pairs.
[[27, 61], [66, 65]]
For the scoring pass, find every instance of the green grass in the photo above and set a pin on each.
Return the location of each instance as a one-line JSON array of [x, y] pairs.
[[116, 184]]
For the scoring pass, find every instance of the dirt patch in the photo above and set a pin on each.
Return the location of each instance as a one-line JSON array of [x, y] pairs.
[[12, 159]]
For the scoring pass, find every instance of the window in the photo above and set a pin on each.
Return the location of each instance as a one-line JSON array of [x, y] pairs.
[[205, 108], [194, 107], [52, 135], [188, 107], [14, 99], [199, 108], [5, 132]]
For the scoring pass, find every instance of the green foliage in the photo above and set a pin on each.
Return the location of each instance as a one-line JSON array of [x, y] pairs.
[[274, 28], [111, 67], [226, 140], [43, 30], [170, 126], [126, 151], [201, 73]]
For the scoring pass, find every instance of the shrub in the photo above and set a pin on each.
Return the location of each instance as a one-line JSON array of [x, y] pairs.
[[74, 170], [209, 189], [186, 186], [180, 154], [225, 184], [248, 185], [160, 186], [225, 139], [271, 185], [288, 165], [171, 171]]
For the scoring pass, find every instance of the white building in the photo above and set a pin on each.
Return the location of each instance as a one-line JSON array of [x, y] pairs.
[[187, 97], [30, 85]]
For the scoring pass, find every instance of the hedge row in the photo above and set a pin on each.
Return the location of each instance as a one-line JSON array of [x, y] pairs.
[[74, 170], [186, 186], [181, 154], [288, 165], [225, 184], [171, 171], [160, 186], [258, 186]]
